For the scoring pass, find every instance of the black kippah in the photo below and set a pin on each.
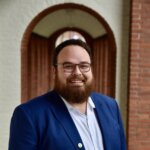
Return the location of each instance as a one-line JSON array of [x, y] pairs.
[[70, 42]]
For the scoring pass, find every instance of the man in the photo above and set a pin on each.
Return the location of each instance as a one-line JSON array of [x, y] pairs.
[[71, 117]]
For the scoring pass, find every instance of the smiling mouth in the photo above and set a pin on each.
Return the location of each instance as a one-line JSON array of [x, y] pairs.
[[77, 82]]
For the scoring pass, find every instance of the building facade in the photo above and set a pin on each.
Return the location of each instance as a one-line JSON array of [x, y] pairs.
[[118, 33]]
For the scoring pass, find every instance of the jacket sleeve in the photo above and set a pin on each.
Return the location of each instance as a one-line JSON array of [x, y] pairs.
[[122, 135], [22, 131]]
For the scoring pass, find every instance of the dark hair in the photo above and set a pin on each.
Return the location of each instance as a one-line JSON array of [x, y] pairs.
[[70, 42]]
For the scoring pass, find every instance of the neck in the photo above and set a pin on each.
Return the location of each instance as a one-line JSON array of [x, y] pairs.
[[82, 107]]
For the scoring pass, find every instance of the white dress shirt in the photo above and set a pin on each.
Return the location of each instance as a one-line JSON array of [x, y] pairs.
[[87, 126]]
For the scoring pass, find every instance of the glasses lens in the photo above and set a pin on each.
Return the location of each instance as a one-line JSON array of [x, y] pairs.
[[69, 67], [84, 67]]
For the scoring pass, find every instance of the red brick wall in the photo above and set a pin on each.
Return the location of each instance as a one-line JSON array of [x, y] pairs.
[[139, 81]]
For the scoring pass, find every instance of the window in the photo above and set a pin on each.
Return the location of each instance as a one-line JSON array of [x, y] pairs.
[[68, 35]]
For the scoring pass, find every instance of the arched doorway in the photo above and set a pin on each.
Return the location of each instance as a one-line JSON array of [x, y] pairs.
[[38, 45]]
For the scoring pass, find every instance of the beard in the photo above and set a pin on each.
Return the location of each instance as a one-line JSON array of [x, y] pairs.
[[74, 94]]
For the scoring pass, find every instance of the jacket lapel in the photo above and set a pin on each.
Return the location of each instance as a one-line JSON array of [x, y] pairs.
[[105, 122], [103, 127], [61, 113]]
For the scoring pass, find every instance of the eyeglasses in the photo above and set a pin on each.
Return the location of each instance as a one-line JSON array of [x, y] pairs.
[[70, 67]]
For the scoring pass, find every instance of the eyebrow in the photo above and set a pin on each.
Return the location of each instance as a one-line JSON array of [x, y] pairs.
[[82, 62]]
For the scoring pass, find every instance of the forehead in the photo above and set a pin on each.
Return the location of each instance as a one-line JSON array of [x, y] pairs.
[[73, 53]]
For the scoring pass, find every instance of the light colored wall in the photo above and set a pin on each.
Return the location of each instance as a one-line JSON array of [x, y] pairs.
[[122, 60], [15, 15]]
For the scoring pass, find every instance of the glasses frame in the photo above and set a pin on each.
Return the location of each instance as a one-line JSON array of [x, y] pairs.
[[74, 66]]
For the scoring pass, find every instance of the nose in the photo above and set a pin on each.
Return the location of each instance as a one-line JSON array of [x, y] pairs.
[[76, 70]]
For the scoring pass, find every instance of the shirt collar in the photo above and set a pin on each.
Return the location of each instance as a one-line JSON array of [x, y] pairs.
[[70, 107]]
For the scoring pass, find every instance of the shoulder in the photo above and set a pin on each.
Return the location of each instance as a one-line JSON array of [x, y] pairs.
[[103, 99], [106, 102], [35, 102], [36, 106]]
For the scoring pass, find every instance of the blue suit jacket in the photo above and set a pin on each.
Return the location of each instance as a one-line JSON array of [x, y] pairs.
[[44, 123]]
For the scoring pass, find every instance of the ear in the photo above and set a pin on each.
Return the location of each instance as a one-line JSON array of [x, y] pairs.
[[53, 72]]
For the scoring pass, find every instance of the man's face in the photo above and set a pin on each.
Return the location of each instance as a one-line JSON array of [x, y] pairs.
[[73, 82]]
